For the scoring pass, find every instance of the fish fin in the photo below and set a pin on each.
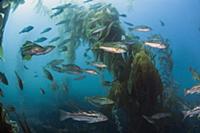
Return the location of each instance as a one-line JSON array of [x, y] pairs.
[[27, 57], [148, 119], [64, 115], [184, 114], [185, 91]]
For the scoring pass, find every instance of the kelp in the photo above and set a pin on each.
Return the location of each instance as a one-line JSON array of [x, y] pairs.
[[6, 125], [41, 8]]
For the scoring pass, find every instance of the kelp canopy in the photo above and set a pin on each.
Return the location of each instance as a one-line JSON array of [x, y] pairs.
[[144, 84]]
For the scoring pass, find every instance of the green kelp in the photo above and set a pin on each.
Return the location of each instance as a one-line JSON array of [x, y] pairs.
[[29, 49], [145, 84], [6, 125], [5, 7], [96, 23]]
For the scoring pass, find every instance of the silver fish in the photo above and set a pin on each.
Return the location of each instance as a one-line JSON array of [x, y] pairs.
[[99, 64], [192, 112], [89, 117], [141, 28], [193, 90], [99, 101], [157, 116], [91, 71]]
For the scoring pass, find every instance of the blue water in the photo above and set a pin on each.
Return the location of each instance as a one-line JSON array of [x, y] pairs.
[[181, 18]]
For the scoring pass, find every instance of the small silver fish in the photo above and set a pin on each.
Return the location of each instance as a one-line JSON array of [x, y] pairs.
[[192, 112], [99, 64], [158, 45], [91, 71], [193, 90], [89, 117], [157, 116]]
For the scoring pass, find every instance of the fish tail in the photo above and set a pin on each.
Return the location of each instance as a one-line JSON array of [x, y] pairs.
[[184, 114], [185, 91], [64, 115], [148, 119]]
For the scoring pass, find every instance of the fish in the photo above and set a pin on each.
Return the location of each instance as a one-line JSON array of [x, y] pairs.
[[54, 85], [195, 74], [99, 64], [113, 49], [193, 90], [3, 78], [123, 15], [191, 113], [155, 44], [20, 82], [63, 49], [62, 6], [99, 101], [1, 20], [91, 71], [141, 28], [64, 42], [58, 69], [25, 67], [1, 93], [89, 117], [30, 48], [162, 23], [35, 76], [55, 62], [42, 39], [61, 22], [128, 23], [107, 83], [54, 39], [71, 69], [80, 77], [26, 29], [65, 86], [5, 4], [87, 1], [42, 91], [156, 116], [46, 30], [48, 74], [58, 12]]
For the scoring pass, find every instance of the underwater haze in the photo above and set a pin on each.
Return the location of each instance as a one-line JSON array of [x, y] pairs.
[[99, 66]]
